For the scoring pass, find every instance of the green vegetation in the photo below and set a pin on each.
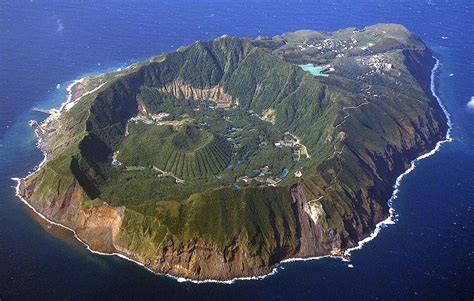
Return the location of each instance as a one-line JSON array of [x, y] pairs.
[[178, 170], [187, 152], [245, 214]]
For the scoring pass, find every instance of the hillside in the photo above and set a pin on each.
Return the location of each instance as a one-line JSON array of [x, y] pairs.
[[225, 157]]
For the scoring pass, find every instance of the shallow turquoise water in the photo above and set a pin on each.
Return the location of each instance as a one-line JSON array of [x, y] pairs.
[[314, 70]]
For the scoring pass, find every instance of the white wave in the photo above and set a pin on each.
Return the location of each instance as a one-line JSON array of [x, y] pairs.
[[390, 220], [69, 91], [60, 26], [470, 103]]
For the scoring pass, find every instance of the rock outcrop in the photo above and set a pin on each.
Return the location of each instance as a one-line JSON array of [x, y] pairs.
[[182, 90]]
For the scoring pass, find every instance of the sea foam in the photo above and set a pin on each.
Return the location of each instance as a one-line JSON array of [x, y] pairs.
[[392, 216], [470, 103]]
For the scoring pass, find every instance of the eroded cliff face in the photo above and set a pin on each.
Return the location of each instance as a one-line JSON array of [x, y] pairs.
[[315, 239], [199, 259], [182, 90], [97, 226]]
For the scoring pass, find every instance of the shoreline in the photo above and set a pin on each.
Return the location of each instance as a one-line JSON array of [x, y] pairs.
[[379, 226], [390, 219], [46, 121]]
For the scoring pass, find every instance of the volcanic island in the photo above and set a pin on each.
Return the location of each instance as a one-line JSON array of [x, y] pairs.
[[226, 157]]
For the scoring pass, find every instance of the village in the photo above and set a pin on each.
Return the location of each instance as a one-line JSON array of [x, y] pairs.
[[332, 48], [328, 45], [377, 63], [263, 176]]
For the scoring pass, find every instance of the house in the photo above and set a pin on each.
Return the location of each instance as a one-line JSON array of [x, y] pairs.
[[223, 104], [244, 179], [272, 182]]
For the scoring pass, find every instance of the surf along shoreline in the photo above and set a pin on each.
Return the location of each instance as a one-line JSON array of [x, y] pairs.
[[71, 100]]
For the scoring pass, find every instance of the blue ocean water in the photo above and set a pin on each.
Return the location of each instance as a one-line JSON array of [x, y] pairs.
[[427, 254]]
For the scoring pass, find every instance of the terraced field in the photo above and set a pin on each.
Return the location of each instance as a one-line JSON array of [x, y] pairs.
[[188, 153]]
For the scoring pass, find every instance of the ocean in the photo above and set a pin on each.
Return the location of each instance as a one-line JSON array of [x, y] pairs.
[[428, 253]]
